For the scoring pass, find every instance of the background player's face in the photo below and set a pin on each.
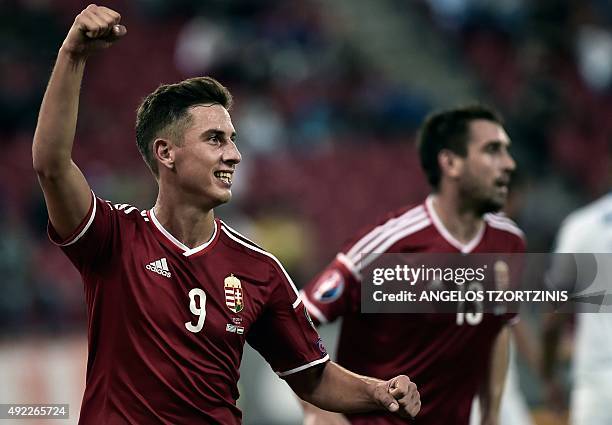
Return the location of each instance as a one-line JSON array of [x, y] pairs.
[[487, 168], [206, 160]]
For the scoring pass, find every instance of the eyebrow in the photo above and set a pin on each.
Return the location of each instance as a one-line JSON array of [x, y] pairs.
[[213, 132], [498, 142]]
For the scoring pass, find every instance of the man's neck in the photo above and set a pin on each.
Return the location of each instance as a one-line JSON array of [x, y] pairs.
[[461, 221], [189, 224]]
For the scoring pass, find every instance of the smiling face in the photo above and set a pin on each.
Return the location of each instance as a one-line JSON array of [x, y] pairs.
[[205, 162], [484, 173]]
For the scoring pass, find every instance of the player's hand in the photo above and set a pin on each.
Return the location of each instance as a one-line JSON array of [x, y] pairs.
[[316, 416], [399, 395], [95, 28]]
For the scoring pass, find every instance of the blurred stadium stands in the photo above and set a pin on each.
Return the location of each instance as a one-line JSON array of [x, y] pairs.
[[328, 96]]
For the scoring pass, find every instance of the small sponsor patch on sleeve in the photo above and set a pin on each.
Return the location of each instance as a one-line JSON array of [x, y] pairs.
[[321, 347]]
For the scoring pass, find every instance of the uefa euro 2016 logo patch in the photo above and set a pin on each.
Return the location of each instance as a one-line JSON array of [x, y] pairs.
[[329, 287], [234, 298]]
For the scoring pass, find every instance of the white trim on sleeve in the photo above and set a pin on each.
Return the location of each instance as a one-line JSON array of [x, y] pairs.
[[84, 229], [304, 367], [348, 263], [312, 309]]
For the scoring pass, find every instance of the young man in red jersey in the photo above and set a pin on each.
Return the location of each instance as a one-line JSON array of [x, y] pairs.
[[464, 153], [173, 293]]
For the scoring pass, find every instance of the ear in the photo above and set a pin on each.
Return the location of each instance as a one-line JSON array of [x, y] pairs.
[[163, 150], [451, 164]]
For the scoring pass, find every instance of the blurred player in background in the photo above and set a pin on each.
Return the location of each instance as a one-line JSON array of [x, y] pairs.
[[588, 230], [464, 153], [513, 406], [173, 293]]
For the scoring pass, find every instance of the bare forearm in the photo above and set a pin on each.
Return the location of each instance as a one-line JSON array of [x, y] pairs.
[[493, 387], [67, 193], [340, 390], [527, 346], [552, 332], [334, 388], [53, 140]]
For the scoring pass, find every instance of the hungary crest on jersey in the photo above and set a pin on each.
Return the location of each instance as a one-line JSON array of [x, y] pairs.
[[234, 299]]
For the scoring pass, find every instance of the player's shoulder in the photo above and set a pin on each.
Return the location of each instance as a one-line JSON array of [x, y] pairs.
[[244, 247], [404, 214], [397, 225], [504, 226], [123, 211], [598, 211], [253, 257]]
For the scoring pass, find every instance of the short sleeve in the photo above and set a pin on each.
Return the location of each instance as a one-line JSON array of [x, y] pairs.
[[89, 246], [285, 335], [334, 292]]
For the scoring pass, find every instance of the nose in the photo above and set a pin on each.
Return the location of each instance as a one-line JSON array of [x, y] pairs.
[[231, 154], [509, 163]]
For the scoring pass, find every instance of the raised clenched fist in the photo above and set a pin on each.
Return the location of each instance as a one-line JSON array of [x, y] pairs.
[[95, 28]]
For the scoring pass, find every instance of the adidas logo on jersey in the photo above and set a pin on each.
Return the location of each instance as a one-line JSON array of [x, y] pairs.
[[160, 267]]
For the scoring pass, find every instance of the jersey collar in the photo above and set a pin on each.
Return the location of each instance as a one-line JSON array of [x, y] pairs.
[[186, 251], [447, 236]]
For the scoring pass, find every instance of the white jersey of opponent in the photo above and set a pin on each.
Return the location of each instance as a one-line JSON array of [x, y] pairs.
[[589, 230]]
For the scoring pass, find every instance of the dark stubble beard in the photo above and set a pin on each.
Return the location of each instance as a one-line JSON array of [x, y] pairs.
[[489, 206], [476, 197]]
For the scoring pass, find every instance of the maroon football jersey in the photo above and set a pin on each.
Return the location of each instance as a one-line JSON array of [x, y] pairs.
[[167, 323], [445, 354]]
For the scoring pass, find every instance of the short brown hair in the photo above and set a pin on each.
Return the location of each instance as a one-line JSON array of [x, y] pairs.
[[448, 129], [166, 110]]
